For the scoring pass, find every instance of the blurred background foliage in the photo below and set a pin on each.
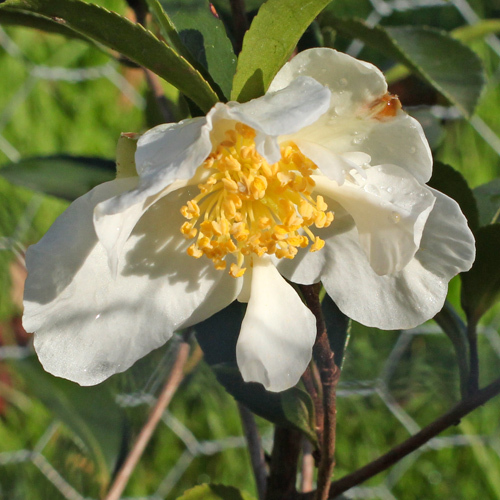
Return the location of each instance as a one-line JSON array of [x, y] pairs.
[[63, 104]]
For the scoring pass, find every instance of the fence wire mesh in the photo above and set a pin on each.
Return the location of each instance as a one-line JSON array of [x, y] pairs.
[[379, 386]]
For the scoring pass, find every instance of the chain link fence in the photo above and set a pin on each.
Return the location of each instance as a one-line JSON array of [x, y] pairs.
[[380, 386]]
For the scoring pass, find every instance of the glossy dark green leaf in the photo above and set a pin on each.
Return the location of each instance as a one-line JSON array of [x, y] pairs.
[[217, 337], [131, 40], [299, 411], [215, 492], [64, 176], [30, 20], [91, 413], [488, 202], [204, 35], [481, 285], [452, 183], [338, 326], [269, 42], [431, 54]]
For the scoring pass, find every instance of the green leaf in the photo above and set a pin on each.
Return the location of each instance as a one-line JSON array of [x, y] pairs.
[[481, 285], [217, 337], [299, 411], [431, 54], [64, 176], [338, 326], [215, 492], [452, 183], [91, 413], [120, 34], [30, 20], [204, 36], [269, 42], [488, 202], [167, 28]]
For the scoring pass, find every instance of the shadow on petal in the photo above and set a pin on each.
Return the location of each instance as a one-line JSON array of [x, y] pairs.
[[157, 248]]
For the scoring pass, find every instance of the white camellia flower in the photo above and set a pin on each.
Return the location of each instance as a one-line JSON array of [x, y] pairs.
[[323, 178]]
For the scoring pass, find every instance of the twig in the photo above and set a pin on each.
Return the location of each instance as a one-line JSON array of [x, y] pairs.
[[283, 473], [414, 442], [307, 472], [473, 383], [329, 374], [329, 377], [254, 449], [175, 377], [311, 388], [240, 22]]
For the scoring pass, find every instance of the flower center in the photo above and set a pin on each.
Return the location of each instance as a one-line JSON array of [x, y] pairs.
[[247, 206]]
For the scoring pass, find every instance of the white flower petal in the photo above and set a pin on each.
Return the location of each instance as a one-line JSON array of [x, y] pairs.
[[277, 333], [285, 111], [351, 81], [89, 325], [172, 150], [397, 141], [400, 141], [308, 267], [168, 152], [401, 300], [332, 165], [114, 229], [447, 246], [390, 209], [347, 127]]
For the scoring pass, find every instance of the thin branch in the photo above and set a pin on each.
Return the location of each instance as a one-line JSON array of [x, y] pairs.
[[473, 383], [254, 449], [310, 386], [283, 473], [414, 442], [175, 377], [329, 374], [307, 472], [240, 22]]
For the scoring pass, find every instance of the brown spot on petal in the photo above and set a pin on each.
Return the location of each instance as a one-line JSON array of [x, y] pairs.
[[386, 107]]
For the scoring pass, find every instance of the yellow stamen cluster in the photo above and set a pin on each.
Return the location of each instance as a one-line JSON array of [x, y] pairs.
[[247, 206]]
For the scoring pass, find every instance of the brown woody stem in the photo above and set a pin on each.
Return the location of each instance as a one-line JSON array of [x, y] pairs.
[[329, 374], [283, 471], [414, 442]]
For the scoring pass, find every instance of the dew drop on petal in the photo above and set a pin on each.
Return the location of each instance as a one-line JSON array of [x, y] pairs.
[[358, 139], [413, 150], [390, 189], [343, 82], [371, 189], [395, 217]]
